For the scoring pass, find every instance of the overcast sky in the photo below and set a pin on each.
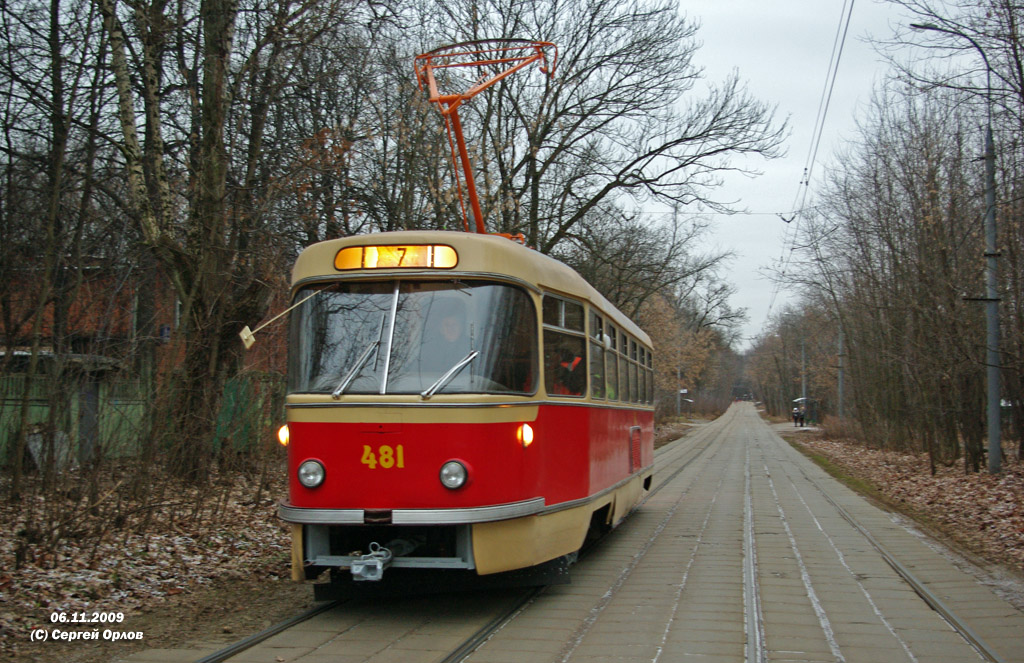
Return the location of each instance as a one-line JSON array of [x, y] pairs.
[[781, 48]]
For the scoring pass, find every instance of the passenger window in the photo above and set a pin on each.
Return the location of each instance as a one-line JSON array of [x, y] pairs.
[[596, 356], [624, 379], [573, 318], [552, 311], [565, 347], [565, 370], [596, 370], [563, 313], [611, 365]]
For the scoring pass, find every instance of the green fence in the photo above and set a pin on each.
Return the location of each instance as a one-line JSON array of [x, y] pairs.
[[90, 412]]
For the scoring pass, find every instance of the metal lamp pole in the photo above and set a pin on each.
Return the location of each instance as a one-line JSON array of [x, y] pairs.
[[995, 451]]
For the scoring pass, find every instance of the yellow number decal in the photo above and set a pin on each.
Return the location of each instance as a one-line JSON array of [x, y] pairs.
[[369, 458], [385, 455]]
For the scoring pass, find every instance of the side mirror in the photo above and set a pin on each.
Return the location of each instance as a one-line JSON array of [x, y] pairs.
[[248, 336]]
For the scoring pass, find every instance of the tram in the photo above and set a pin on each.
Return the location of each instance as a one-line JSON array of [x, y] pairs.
[[457, 402]]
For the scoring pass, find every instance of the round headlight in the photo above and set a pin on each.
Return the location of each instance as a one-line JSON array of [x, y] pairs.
[[311, 473], [453, 474]]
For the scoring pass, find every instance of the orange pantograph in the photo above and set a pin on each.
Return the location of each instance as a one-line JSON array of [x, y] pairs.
[[501, 58]]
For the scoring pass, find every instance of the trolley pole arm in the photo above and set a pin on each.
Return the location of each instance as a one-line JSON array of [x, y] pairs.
[[467, 169], [512, 55], [480, 87]]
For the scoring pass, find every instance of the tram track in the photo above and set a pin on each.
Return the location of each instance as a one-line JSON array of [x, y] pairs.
[[702, 442], [251, 641], [480, 637], [776, 502], [503, 615], [956, 622], [752, 614], [684, 458]]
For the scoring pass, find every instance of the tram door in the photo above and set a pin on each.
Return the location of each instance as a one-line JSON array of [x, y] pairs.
[[634, 449]]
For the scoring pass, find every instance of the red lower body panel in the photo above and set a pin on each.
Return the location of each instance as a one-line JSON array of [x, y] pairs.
[[577, 451]]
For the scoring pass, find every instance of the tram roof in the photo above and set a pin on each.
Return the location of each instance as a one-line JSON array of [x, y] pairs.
[[478, 255]]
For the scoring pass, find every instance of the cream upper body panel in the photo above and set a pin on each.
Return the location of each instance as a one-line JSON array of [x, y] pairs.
[[478, 255]]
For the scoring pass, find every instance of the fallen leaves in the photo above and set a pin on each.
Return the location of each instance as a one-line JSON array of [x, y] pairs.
[[137, 567]]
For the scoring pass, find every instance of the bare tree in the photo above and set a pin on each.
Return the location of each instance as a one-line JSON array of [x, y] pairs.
[[889, 254], [619, 121], [197, 191], [995, 28]]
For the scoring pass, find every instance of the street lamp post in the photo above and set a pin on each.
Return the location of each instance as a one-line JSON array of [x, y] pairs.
[[995, 451]]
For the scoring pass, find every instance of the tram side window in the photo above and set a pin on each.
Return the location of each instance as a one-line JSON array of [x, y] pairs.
[[645, 376], [572, 316], [596, 356], [641, 377], [650, 377], [634, 393], [565, 371], [565, 347], [612, 365], [624, 385], [563, 313], [552, 311]]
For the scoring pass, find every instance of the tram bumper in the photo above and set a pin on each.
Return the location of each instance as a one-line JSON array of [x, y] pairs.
[[445, 538]]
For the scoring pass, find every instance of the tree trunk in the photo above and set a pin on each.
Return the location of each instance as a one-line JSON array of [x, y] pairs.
[[59, 129]]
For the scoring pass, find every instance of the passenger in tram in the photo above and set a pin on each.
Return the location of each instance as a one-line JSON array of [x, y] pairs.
[[570, 374]]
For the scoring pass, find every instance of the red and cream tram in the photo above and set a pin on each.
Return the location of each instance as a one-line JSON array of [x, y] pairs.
[[457, 401]]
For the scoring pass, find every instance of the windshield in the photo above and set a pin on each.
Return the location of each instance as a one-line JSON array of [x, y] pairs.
[[413, 337]]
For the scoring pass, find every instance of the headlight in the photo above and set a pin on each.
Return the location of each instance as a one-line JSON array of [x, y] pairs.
[[282, 435], [311, 473], [453, 474]]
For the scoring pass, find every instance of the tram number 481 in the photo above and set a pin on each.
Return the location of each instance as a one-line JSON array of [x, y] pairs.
[[385, 456]]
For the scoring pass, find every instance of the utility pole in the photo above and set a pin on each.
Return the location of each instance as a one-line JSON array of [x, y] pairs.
[[803, 370], [991, 299], [842, 367], [679, 392]]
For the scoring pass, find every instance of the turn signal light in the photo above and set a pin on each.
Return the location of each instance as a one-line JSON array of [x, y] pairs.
[[525, 435]]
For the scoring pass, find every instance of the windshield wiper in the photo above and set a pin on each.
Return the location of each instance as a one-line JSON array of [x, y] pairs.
[[352, 374], [449, 374]]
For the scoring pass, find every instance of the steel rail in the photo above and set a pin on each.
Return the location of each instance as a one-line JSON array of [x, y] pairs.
[[256, 638], [472, 643], [929, 597]]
